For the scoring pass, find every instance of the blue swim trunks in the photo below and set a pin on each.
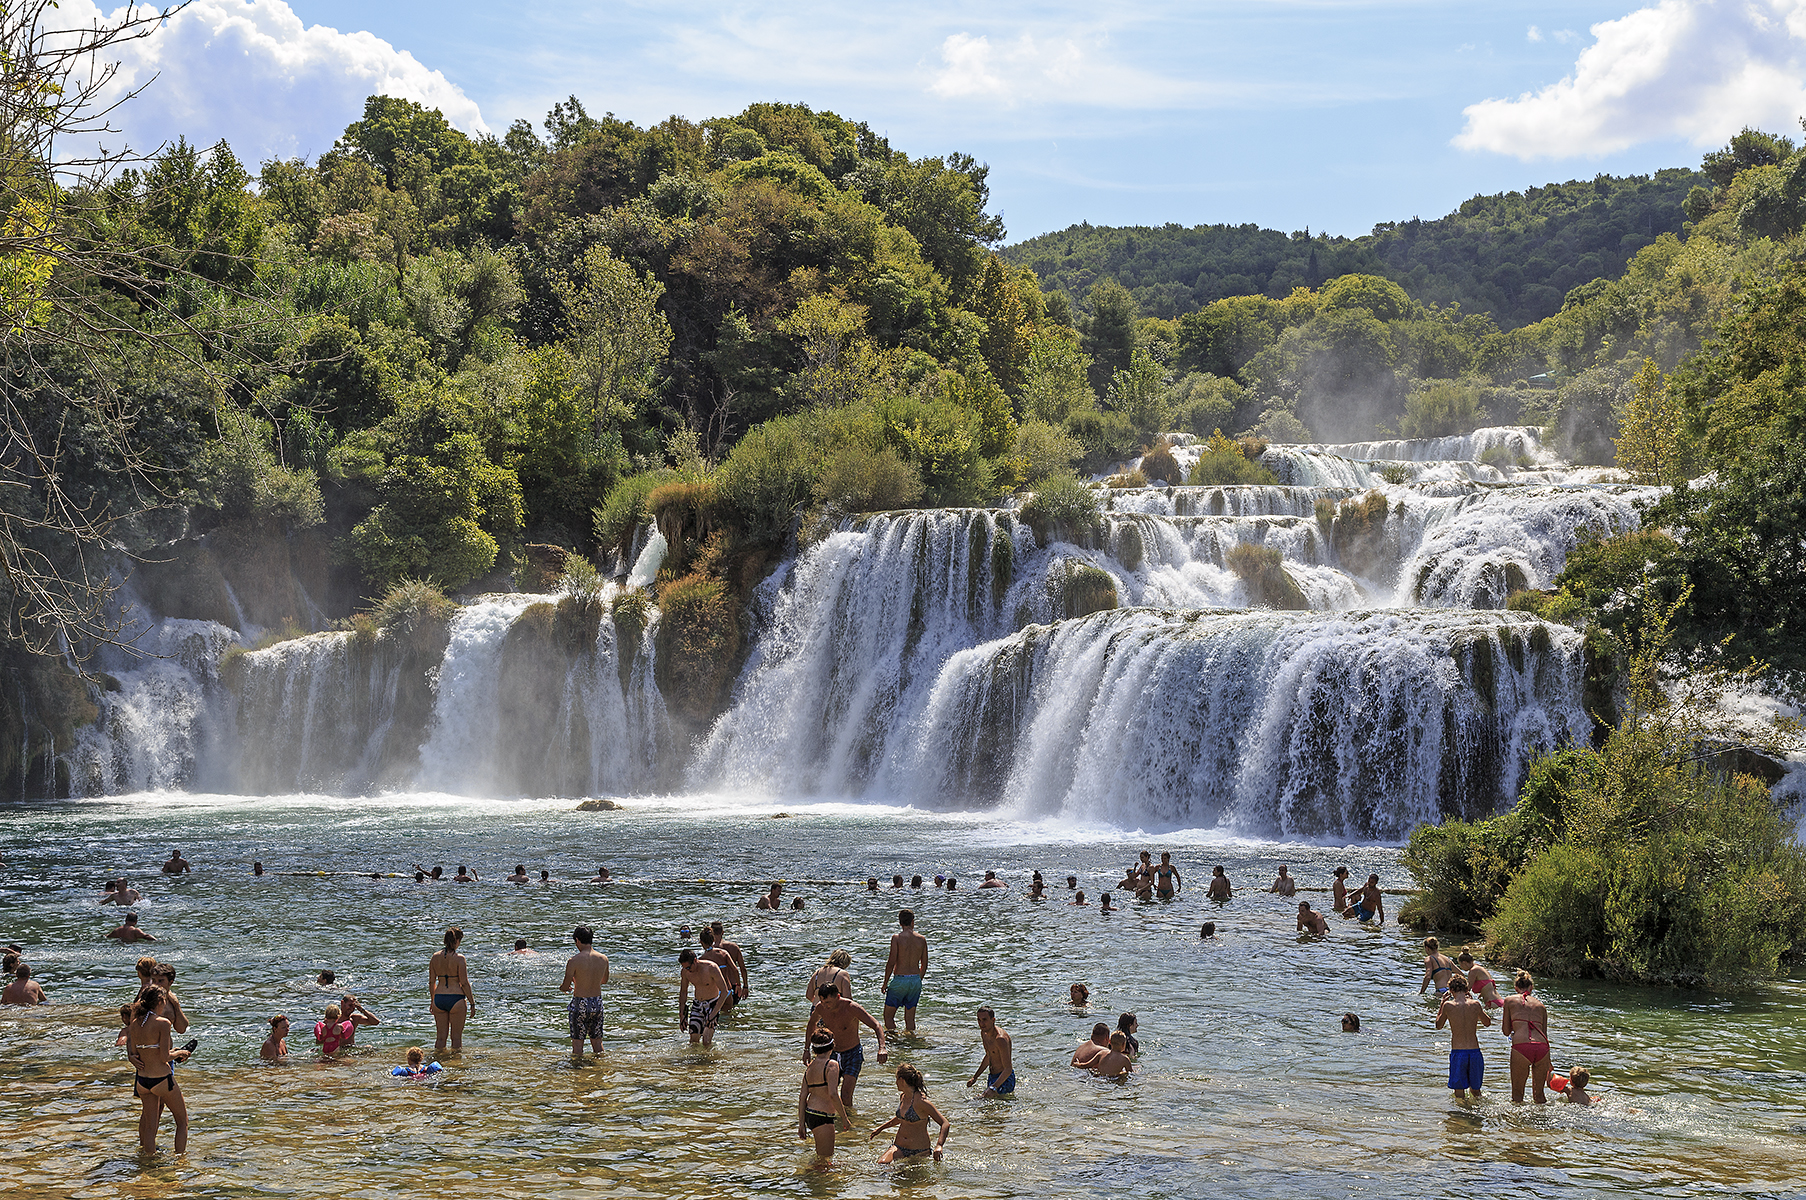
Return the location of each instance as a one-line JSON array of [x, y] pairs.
[[1362, 914], [1465, 1069], [850, 1061], [1002, 1089], [904, 991]]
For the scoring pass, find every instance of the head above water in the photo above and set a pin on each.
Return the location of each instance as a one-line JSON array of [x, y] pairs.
[[453, 936], [915, 881], [1579, 1077], [719, 930], [1072, 881], [1080, 993], [1208, 929], [1127, 1022], [1458, 984], [256, 868], [333, 1014], [1119, 1040], [520, 943], [1464, 959], [706, 936], [1100, 1033], [911, 1078], [906, 918], [131, 918], [1524, 983], [1351, 1023], [325, 978], [1432, 945], [686, 957], [1341, 872], [896, 881], [828, 991], [416, 1056], [821, 1042]]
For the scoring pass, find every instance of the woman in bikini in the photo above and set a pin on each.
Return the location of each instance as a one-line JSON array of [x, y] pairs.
[[453, 1002], [834, 971], [819, 1111], [148, 1046], [1526, 1020], [914, 1111]]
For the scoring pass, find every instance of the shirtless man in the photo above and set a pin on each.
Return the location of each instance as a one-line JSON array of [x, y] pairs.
[[1526, 1022], [991, 881], [584, 976], [1464, 1015], [122, 894], [1002, 1076], [177, 865], [734, 952], [699, 1015], [770, 899], [903, 972], [1078, 899], [1220, 888], [520, 875], [129, 932], [721, 958], [1438, 968], [1115, 1062], [1311, 922], [1339, 891], [23, 990], [842, 1018], [1368, 904], [1284, 885], [1166, 877], [1090, 1051], [602, 876]]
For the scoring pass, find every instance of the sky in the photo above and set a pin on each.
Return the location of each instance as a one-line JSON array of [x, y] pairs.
[[1330, 115]]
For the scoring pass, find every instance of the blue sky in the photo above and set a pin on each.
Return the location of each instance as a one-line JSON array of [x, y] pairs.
[[1327, 114]]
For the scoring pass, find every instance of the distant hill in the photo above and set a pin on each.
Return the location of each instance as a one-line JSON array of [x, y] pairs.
[[1514, 255]]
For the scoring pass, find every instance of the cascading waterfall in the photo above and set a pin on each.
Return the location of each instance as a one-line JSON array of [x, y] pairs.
[[936, 658]]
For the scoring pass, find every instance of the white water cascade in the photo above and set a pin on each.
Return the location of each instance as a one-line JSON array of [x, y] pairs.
[[943, 658]]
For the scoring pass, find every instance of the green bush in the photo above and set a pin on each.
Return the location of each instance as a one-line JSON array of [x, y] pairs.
[[1062, 508], [1443, 407], [624, 509], [1224, 462], [1158, 463], [857, 478], [1045, 450], [699, 642], [1263, 570], [1085, 589], [1463, 867], [1201, 403], [768, 476], [1108, 437], [411, 608]]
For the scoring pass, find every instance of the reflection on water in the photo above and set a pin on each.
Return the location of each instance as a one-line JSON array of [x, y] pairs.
[[1246, 1087]]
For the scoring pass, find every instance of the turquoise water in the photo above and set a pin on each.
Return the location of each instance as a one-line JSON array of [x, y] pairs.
[[1246, 1087]]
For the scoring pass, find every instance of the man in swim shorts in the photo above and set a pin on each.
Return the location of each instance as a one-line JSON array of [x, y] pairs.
[[903, 972], [584, 975], [1002, 1078], [842, 1018], [710, 985], [1463, 1015], [1368, 904]]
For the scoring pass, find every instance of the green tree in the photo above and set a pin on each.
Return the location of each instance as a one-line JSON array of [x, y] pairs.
[[617, 335], [1055, 381], [1651, 443], [1110, 331]]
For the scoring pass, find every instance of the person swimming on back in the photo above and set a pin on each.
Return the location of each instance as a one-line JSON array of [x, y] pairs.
[[1438, 968]]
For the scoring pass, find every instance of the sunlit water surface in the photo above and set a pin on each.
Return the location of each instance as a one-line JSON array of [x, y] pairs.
[[1246, 1087]]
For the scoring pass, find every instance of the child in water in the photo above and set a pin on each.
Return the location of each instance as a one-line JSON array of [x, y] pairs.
[[1576, 1091], [417, 1066]]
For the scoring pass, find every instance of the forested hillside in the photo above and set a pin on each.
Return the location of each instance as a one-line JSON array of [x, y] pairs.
[[1514, 255]]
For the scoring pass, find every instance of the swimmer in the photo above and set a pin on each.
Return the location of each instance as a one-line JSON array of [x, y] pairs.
[[326, 979], [1103, 904], [1351, 1023], [257, 868], [841, 1018], [1284, 884], [520, 875], [819, 1111], [177, 865], [1339, 891], [419, 877], [1114, 1063], [1207, 930], [1576, 1092], [915, 881], [545, 877], [1220, 888], [1001, 1079], [1127, 1024], [833, 971], [275, 1047], [1526, 1021], [1311, 922], [1078, 900], [770, 899], [721, 958], [521, 947], [1166, 876], [602, 876], [871, 883], [1438, 968], [940, 881], [1464, 1015], [1072, 881], [448, 978], [1089, 1051], [904, 971], [896, 882], [334, 1033], [1367, 904], [129, 932], [584, 976], [1036, 888], [1081, 995], [416, 1067], [1478, 981], [796, 905], [23, 990], [913, 1114], [465, 875], [149, 1047], [991, 881], [699, 1015], [356, 1015]]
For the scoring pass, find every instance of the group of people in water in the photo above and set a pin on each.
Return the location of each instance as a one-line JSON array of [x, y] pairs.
[[714, 979]]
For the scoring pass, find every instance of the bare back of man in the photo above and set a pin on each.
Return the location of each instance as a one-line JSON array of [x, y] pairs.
[[903, 972], [584, 976], [1463, 1015], [734, 952], [1091, 1050]]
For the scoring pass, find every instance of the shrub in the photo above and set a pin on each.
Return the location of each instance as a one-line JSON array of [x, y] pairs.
[[857, 478], [1063, 508], [581, 579], [1224, 462], [1108, 437], [1263, 570], [1442, 407], [1498, 458], [1463, 867], [1158, 463], [1128, 479], [1395, 474], [624, 509], [1085, 589], [769, 474], [1045, 450], [1200, 402], [414, 611], [699, 643]]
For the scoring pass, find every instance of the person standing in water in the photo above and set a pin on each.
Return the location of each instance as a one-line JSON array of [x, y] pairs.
[[819, 1112], [1526, 1022], [129, 932], [1463, 1015], [1339, 891], [1166, 877], [1368, 904], [1089, 1051], [734, 952], [1438, 968], [23, 990], [275, 1047], [1220, 888], [153, 1058], [177, 865], [710, 987], [1002, 1075], [913, 1114], [842, 1018], [1478, 981], [453, 1001], [584, 976], [1284, 885], [721, 958], [903, 972], [1311, 922], [833, 971]]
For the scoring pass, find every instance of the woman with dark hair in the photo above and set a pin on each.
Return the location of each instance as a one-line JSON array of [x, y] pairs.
[[453, 1002], [819, 1111], [148, 1046], [914, 1111]]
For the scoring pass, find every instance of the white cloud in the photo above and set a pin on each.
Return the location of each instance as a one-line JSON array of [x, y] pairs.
[[1697, 70], [250, 72], [1534, 34], [1069, 68]]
